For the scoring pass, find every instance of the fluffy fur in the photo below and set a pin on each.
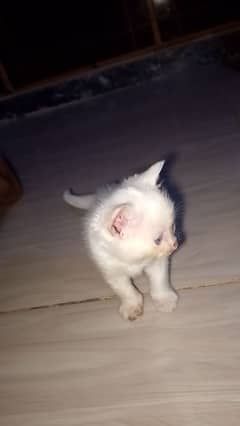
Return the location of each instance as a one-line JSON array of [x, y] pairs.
[[130, 230]]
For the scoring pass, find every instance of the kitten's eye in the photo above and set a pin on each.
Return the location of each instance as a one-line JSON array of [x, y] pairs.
[[158, 240]]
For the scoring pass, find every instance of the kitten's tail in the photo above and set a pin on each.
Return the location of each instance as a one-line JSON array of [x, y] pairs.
[[83, 202]]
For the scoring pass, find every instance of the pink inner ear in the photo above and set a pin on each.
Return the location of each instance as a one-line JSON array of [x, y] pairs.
[[119, 222]]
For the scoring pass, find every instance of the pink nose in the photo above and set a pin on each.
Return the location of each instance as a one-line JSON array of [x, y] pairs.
[[174, 246]]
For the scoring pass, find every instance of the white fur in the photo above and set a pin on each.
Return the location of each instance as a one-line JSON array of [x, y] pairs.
[[121, 227]]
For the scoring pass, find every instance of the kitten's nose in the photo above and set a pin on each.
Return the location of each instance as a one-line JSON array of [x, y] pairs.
[[175, 245], [171, 242]]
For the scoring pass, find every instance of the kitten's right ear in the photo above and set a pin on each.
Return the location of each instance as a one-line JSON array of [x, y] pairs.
[[151, 175]]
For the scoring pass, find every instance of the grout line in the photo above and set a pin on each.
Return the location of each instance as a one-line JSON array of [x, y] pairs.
[[56, 305], [206, 285], [106, 298]]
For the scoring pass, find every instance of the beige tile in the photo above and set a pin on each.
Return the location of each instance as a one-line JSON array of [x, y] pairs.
[[82, 364], [199, 414]]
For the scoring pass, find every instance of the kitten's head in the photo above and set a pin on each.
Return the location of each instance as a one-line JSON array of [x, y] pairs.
[[140, 219]]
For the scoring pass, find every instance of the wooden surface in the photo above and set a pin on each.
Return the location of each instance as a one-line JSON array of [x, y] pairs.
[[83, 365]]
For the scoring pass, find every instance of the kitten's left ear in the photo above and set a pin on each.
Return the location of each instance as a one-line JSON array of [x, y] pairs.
[[124, 221], [151, 175]]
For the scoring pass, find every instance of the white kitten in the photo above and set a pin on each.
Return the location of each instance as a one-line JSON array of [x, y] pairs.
[[130, 230]]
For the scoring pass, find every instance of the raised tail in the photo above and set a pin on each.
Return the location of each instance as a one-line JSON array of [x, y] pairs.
[[83, 202]]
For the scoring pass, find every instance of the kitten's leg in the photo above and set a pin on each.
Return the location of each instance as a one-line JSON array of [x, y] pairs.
[[131, 299], [163, 295]]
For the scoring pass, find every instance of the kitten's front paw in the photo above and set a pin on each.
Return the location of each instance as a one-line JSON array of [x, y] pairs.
[[166, 302], [131, 311]]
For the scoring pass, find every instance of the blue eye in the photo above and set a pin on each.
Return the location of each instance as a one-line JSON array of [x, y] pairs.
[[158, 240]]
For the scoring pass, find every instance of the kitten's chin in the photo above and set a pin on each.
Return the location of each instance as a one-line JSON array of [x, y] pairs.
[[157, 253]]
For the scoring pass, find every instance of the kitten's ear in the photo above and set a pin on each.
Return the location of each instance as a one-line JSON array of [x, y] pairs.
[[123, 220], [151, 175]]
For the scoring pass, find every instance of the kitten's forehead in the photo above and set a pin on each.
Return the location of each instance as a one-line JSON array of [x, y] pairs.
[[151, 198], [157, 208]]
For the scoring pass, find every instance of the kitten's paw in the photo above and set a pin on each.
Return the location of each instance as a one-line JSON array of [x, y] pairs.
[[166, 302], [131, 311]]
